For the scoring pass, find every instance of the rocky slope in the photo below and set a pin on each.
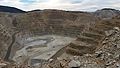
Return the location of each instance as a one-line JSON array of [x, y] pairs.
[[54, 22]]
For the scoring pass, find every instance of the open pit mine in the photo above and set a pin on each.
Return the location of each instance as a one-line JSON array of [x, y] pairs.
[[60, 39]]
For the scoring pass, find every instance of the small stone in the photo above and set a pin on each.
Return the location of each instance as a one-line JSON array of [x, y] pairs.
[[114, 61], [118, 45], [98, 52], [118, 57], [104, 42], [118, 65], [116, 28], [118, 35], [74, 63], [50, 60], [87, 55]]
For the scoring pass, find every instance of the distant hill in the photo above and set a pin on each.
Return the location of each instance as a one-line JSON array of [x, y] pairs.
[[10, 9], [37, 10], [107, 13]]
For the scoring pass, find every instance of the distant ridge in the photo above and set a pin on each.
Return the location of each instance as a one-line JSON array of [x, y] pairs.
[[10, 9], [37, 10], [107, 13]]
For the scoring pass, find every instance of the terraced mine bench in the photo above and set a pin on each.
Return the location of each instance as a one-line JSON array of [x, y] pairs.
[[87, 43], [91, 40]]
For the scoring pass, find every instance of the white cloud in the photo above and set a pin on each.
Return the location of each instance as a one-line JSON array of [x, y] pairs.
[[13, 3], [87, 5]]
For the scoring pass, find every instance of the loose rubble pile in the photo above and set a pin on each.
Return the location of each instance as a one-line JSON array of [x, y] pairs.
[[107, 56]]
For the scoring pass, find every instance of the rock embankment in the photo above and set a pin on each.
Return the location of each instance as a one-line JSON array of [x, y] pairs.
[[5, 39]]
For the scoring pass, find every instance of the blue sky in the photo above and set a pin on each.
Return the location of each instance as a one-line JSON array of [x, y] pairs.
[[27, 1], [73, 5]]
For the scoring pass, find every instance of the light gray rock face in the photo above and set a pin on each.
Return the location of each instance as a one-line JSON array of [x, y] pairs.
[[39, 49]]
